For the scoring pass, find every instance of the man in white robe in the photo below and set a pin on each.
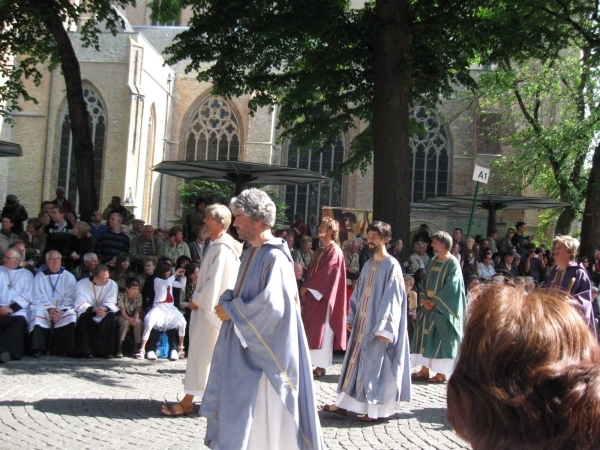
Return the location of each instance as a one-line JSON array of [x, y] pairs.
[[260, 390], [15, 292], [53, 318], [96, 306], [217, 274]]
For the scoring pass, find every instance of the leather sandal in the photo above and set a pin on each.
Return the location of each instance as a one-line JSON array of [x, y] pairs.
[[319, 372], [420, 375], [439, 378], [141, 354], [169, 411]]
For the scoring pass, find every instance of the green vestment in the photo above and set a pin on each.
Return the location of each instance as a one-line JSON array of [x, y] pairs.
[[438, 332]]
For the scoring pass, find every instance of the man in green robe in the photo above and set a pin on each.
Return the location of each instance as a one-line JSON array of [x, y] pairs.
[[440, 315]]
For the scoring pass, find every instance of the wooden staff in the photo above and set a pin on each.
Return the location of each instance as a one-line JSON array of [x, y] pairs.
[[571, 286]]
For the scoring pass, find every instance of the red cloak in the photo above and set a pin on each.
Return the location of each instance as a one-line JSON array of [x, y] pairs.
[[327, 274]]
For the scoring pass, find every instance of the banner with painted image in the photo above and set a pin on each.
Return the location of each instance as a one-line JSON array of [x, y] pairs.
[[353, 222]]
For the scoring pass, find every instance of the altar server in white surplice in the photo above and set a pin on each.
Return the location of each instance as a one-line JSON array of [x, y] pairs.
[[15, 293], [217, 274], [96, 306], [53, 317]]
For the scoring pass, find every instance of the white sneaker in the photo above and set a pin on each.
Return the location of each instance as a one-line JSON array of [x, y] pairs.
[[174, 356], [151, 355]]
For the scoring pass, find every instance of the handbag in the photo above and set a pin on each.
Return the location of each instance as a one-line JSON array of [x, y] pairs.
[[162, 348]]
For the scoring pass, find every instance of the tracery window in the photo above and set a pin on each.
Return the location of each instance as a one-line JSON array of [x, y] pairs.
[[213, 133], [309, 199], [430, 156], [67, 174]]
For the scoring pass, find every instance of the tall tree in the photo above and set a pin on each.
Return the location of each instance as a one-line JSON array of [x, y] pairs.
[[328, 65], [36, 34], [545, 103], [540, 30]]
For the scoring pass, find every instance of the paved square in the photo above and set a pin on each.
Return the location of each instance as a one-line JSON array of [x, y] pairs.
[[56, 402]]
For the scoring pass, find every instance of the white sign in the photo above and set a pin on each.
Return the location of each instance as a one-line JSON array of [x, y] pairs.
[[481, 174]]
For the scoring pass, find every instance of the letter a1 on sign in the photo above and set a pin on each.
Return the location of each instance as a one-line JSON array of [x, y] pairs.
[[481, 174]]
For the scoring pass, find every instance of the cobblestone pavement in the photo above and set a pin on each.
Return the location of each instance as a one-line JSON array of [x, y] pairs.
[[76, 404]]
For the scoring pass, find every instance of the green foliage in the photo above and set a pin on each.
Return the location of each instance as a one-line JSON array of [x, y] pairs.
[[212, 192], [164, 11], [315, 59], [23, 32]]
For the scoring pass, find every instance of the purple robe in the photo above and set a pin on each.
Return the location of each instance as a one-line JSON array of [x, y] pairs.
[[580, 292]]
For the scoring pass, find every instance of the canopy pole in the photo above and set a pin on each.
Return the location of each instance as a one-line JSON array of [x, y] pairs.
[[473, 209]]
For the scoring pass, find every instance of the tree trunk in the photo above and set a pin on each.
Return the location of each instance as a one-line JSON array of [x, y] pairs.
[[563, 224], [83, 147], [590, 225], [391, 156]]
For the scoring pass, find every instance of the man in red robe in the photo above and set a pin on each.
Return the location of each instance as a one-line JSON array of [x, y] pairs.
[[324, 307]]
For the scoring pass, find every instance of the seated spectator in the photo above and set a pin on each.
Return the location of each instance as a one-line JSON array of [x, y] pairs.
[[289, 239], [58, 231], [468, 258], [418, 259], [34, 238], [7, 237], [527, 376], [298, 229], [304, 254], [533, 263], [96, 225], [137, 226], [130, 307], [85, 270], [485, 269], [411, 304], [71, 217], [164, 235], [199, 246], [146, 244], [164, 316], [505, 243], [113, 241], [121, 272], [15, 298], [44, 216], [52, 325], [80, 242], [60, 200], [455, 251], [16, 212], [149, 264], [115, 207], [96, 305], [507, 266], [175, 247], [28, 264]]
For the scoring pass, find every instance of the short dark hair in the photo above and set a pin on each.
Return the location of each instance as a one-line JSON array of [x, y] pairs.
[[199, 201], [520, 224], [60, 208], [174, 230], [383, 229], [459, 229], [190, 269], [99, 269], [131, 282]]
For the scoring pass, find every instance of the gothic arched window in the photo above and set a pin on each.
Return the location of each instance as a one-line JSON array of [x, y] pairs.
[[67, 175], [213, 133], [430, 156], [309, 199]]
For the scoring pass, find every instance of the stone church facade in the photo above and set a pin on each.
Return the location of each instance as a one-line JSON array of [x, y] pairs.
[[143, 112]]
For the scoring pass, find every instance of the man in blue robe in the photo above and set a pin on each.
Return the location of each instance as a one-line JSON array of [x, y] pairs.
[[260, 389], [376, 370]]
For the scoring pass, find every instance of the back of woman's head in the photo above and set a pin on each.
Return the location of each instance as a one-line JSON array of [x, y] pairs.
[[528, 374]]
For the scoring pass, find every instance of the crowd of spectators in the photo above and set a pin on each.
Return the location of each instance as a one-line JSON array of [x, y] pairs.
[[114, 251]]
